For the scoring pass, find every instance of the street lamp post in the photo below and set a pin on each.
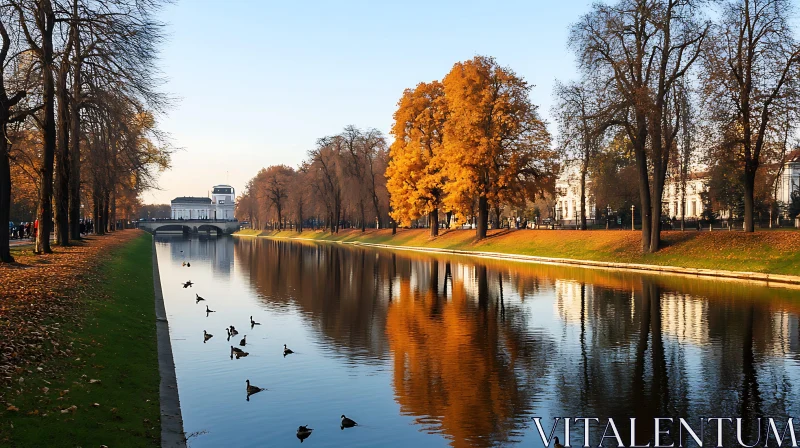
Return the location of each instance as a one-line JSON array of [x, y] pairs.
[[608, 216], [633, 217]]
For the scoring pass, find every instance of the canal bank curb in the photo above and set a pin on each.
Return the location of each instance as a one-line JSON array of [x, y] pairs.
[[780, 279], [172, 434]]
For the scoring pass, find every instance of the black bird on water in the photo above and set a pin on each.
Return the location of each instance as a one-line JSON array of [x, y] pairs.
[[198, 298], [188, 284], [239, 353], [188, 265], [206, 336], [208, 310], [233, 331], [347, 423], [252, 390], [243, 342], [286, 351], [253, 323], [303, 432]]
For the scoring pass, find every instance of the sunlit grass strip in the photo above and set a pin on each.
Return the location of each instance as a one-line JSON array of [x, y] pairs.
[[763, 251], [105, 392]]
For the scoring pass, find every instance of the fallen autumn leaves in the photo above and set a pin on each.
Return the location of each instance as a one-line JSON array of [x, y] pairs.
[[37, 299]]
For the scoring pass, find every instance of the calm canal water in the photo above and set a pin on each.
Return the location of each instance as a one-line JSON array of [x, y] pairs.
[[432, 351]]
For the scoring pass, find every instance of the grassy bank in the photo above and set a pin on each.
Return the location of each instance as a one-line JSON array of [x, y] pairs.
[[773, 252], [102, 388]]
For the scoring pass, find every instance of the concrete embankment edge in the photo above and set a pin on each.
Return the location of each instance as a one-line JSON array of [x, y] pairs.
[[172, 434], [777, 279]]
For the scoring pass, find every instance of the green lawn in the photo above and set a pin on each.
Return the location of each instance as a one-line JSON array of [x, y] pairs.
[[774, 252], [110, 376]]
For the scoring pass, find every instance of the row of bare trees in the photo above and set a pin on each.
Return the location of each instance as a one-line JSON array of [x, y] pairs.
[[341, 182], [78, 104], [681, 88]]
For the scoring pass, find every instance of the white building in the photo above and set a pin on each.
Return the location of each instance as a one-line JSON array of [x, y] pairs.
[[219, 206], [187, 207], [223, 201], [568, 192], [672, 199], [789, 180]]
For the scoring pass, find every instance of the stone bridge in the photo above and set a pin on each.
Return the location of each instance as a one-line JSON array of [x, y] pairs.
[[191, 226]]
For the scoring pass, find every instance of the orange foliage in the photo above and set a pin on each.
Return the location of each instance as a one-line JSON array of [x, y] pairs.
[[496, 146], [414, 175]]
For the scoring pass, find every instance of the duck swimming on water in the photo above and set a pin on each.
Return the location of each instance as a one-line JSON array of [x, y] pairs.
[[253, 389], [206, 336], [557, 444], [198, 298], [286, 350], [347, 423], [243, 342], [188, 265], [233, 331], [303, 432], [209, 310], [188, 284], [252, 322]]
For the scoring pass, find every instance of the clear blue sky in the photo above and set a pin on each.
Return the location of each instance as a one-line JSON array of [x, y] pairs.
[[257, 82]]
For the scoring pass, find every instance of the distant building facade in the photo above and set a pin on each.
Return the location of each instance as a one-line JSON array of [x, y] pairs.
[[568, 192], [673, 201], [223, 201], [789, 179], [187, 207], [220, 205]]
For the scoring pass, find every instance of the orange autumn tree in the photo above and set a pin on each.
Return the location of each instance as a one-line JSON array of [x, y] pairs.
[[496, 147], [414, 176]]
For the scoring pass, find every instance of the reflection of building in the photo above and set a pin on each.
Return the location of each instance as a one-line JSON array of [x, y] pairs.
[[219, 206], [684, 318], [568, 299]]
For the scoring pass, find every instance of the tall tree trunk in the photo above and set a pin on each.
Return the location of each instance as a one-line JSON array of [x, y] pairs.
[[584, 170], [45, 214], [655, 213], [433, 219], [363, 212], [63, 163], [75, 143], [749, 195], [644, 198], [483, 217], [112, 205], [5, 197]]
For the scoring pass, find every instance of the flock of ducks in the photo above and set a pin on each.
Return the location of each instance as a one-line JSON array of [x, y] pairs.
[[303, 432]]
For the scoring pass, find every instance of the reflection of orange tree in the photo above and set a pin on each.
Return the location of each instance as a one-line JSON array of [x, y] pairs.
[[451, 366]]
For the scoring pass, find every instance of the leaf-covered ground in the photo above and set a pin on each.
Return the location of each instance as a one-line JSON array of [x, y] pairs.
[[767, 251], [78, 362]]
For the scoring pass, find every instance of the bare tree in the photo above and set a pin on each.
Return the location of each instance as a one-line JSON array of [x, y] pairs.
[[643, 49], [581, 127], [751, 78]]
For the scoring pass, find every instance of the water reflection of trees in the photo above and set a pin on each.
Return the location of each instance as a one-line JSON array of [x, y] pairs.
[[469, 355], [465, 362], [658, 363]]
